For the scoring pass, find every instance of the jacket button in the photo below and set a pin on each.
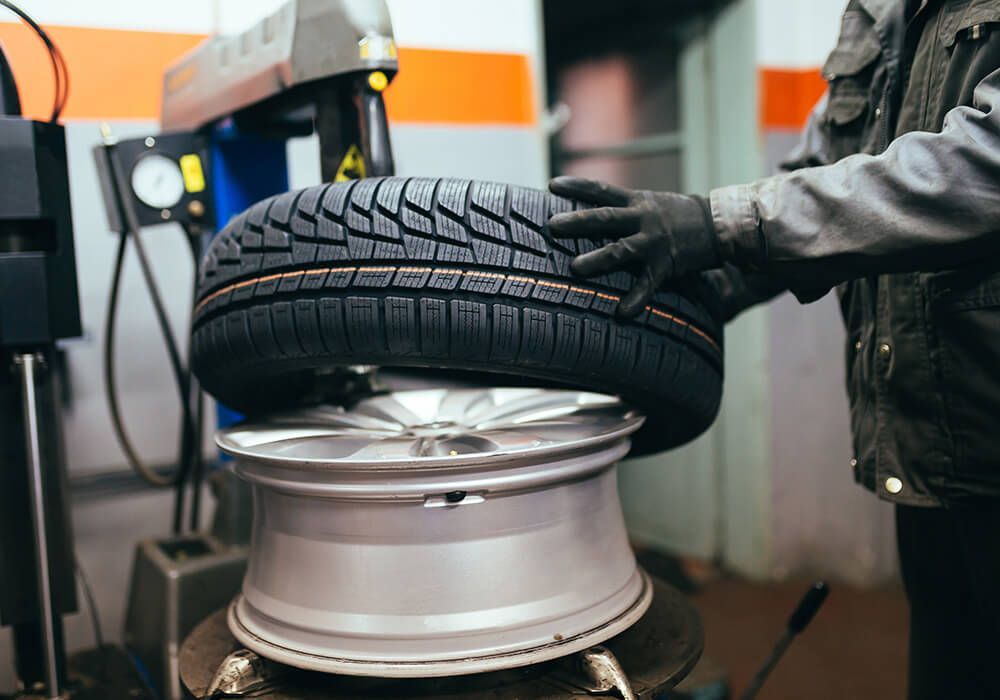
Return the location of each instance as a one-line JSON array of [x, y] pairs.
[[885, 351], [893, 485], [854, 462], [857, 345], [878, 112]]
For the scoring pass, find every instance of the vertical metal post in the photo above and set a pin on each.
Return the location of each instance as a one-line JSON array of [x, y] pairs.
[[27, 363]]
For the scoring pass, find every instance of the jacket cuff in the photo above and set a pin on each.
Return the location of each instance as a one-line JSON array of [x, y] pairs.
[[735, 219]]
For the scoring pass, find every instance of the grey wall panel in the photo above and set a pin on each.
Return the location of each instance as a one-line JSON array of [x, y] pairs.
[[778, 143], [503, 154], [712, 499], [821, 521], [670, 499]]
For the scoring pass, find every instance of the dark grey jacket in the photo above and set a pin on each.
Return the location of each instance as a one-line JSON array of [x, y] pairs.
[[894, 197]]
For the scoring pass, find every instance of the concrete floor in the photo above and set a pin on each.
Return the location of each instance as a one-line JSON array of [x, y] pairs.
[[855, 648]]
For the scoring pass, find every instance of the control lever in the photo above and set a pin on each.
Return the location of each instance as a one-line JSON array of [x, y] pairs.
[[375, 140], [799, 620]]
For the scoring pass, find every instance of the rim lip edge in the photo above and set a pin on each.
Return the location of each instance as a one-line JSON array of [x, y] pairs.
[[469, 665]]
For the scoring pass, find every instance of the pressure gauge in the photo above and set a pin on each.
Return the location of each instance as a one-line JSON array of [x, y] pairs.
[[157, 181]]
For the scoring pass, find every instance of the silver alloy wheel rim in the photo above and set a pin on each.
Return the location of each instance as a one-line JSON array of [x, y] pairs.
[[431, 428], [437, 532]]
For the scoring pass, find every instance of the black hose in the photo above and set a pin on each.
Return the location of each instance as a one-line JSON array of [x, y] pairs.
[[184, 457], [110, 388], [183, 470], [180, 373], [189, 453], [197, 456], [198, 470]]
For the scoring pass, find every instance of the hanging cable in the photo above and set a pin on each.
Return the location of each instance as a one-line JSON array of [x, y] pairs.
[[198, 458], [190, 456], [179, 371], [145, 472], [59, 69], [198, 462]]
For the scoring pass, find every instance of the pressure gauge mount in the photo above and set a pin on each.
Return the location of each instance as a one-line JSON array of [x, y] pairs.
[[167, 179]]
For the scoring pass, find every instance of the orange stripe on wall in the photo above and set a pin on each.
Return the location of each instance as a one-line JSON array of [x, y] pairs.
[[458, 86], [117, 74], [788, 96], [114, 74]]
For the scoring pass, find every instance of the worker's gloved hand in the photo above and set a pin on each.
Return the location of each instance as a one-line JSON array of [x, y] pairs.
[[660, 235]]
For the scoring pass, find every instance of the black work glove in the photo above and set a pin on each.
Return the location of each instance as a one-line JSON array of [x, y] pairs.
[[660, 235]]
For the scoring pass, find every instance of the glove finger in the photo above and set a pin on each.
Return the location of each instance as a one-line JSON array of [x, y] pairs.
[[590, 191], [613, 256], [639, 296], [605, 222]]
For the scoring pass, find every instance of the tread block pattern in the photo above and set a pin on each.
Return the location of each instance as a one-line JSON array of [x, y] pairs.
[[421, 221], [444, 273]]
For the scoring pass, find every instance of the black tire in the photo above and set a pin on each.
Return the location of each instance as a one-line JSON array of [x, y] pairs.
[[444, 274]]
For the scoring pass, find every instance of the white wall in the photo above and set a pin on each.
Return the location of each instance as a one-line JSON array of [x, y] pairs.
[[796, 33]]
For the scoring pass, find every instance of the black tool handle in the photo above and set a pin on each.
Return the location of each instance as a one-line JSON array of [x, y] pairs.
[[808, 606], [803, 614]]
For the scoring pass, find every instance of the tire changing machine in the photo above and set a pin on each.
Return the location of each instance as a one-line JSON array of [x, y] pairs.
[[408, 475]]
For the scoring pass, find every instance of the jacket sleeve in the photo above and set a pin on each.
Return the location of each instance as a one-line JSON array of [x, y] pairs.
[[929, 202], [740, 289]]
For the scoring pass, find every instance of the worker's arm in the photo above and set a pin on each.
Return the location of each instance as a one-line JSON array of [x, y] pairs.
[[931, 201], [738, 289], [667, 235]]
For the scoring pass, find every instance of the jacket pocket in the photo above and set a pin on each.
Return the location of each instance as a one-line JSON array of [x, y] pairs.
[[970, 22], [965, 312], [849, 72], [856, 49]]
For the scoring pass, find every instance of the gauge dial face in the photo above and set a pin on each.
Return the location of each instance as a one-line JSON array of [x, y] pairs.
[[157, 181]]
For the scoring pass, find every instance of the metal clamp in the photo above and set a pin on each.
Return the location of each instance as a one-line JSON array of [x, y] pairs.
[[241, 673], [597, 671]]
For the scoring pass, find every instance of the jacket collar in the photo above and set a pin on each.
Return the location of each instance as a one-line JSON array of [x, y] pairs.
[[883, 11], [888, 16]]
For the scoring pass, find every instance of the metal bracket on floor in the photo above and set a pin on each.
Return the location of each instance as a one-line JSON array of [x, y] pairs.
[[598, 672], [243, 673]]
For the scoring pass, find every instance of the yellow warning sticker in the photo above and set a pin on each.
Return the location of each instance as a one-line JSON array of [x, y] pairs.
[[352, 167], [194, 176]]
